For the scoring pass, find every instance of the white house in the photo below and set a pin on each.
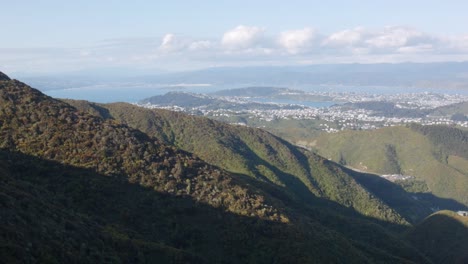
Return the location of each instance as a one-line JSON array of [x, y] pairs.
[[463, 213]]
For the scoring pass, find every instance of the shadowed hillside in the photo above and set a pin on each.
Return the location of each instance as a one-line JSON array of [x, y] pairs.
[[75, 215], [80, 188], [3, 77], [261, 155], [436, 156], [443, 237]]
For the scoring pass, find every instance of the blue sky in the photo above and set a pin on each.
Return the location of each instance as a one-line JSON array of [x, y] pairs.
[[51, 36]]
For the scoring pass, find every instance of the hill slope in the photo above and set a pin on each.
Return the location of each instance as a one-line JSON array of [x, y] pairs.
[[450, 110], [263, 156], [443, 236], [437, 156], [196, 102], [123, 196]]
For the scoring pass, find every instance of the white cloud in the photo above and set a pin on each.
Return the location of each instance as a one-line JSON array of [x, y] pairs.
[[85, 53], [416, 49], [388, 40], [398, 37], [172, 43], [458, 44], [201, 45], [345, 38], [247, 45], [242, 37], [167, 40], [297, 41]]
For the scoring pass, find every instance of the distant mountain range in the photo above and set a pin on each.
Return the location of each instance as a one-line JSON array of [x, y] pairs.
[[448, 74], [423, 75]]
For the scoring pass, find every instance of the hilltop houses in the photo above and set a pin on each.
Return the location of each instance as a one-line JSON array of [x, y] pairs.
[[463, 213]]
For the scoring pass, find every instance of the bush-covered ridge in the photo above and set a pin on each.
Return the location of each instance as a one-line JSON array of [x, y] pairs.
[[256, 153], [443, 237], [4, 77], [437, 156], [41, 126], [70, 214], [450, 140], [53, 164]]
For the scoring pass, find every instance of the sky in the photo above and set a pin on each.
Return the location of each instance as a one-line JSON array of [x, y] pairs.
[[50, 36]]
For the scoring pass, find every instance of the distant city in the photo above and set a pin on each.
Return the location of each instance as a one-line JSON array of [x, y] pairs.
[[346, 111]]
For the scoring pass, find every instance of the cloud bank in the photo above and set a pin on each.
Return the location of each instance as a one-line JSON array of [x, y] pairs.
[[297, 41], [242, 37], [248, 45]]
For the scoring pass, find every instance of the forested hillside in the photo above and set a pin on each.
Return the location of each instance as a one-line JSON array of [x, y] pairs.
[[443, 236], [436, 156], [78, 188], [263, 156]]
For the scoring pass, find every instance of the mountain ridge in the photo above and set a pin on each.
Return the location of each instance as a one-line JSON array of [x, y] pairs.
[[4, 77], [430, 236], [440, 162], [256, 153], [102, 141], [48, 134]]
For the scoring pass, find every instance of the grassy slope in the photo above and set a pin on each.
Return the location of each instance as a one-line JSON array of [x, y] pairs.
[[451, 109], [56, 177], [443, 237], [415, 155], [259, 154]]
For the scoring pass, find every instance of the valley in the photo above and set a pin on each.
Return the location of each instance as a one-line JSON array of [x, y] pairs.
[[80, 171], [392, 125], [234, 132]]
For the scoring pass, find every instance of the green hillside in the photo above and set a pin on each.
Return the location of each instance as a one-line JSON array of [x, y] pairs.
[[450, 110], [443, 237], [435, 156], [263, 156], [77, 188], [69, 214]]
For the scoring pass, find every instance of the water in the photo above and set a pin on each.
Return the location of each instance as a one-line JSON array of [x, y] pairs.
[[130, 94], [121, 94]]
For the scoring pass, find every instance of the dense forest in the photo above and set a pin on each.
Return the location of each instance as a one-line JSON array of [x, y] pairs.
[[435, 158], [83, 184], [263, 156]]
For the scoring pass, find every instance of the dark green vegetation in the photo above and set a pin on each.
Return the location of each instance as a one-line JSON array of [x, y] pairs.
[[263, 156], [437, 156], [443, 236], [55, 213], [387, 109], [78, 188], [3, 77], [456, 112], [460, 109], [450, 141]]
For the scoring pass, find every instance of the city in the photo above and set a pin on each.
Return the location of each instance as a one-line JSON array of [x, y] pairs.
[[353, 111]]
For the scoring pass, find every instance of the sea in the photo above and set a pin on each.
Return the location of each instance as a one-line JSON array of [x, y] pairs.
[[133, 94]]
